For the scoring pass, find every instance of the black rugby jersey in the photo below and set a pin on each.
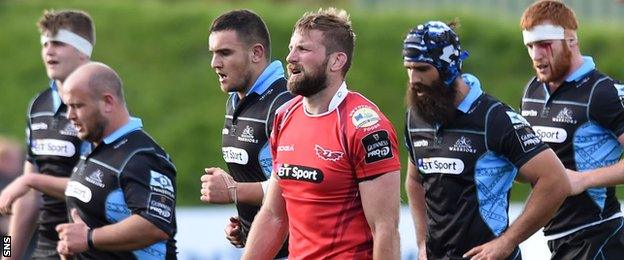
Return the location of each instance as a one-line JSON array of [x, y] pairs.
[[54, 149], [581, 120], [128, 173], [467, 169], [245, 135]]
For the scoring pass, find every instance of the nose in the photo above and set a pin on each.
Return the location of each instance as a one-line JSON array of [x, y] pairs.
[[292, 56], [48, 49], [414, 76], [535, 52], [216, 62], [71, 113]]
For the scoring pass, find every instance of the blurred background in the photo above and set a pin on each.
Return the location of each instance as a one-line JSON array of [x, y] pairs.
[[159, 48]]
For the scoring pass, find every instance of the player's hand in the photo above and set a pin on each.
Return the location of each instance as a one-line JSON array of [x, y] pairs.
[[12, 192], [498, 248], [72, 236], [233, 232], [577, 181], [214, 188]]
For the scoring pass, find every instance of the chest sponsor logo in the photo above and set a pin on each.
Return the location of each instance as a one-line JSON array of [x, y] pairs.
[[39, 126], [161, 184], [440, 165], [529, 113], [286, 148], [300, 173], [248, 135], [69, 129], [551, 134], [420, 143], [463, 144], [326, 154], [235, 155], [377, 146], [364, 116], [161, 206], [95, 178], [565, 116], [79, 191], [52, 147]]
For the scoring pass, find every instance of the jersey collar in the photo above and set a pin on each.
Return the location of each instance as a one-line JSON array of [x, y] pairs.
[[474, 93], [588, 66], [133, 124], [56, 98], [271, 73], [340, 95]]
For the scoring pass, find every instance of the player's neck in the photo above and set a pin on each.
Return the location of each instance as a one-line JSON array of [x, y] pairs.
[[575, 63], [462, 90], [256, 71], [319, 102]]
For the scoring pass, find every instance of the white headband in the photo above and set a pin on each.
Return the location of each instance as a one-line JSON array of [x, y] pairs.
[[70, 38], [543, 32]]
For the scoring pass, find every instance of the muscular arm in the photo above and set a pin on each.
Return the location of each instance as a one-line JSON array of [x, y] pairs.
[[380, 201], [416, 197], [272, 216], [50, 185], [600, 177], [24, 217], [550, 188]]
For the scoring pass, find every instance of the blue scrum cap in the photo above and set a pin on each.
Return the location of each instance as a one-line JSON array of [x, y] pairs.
[[437, 44]]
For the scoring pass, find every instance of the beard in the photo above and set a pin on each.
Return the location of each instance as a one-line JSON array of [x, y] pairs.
[[96, 133], [435, 104], [311, 83], [560, 66]]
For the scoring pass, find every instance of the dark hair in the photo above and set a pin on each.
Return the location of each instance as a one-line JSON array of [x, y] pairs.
[[78, 22], [249, 27], [337, 31]]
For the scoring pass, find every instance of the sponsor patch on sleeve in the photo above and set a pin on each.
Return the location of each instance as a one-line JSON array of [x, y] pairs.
[[364, 116], [526, 136], [620, 91], [377, 146], [160, 206], [159, 183]]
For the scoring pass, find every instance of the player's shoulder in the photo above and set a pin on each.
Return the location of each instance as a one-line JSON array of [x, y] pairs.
[[40, 101], [289, 105], [361, 113]]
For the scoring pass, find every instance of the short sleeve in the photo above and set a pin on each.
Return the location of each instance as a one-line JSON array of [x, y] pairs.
[[273, 137], [150, 191], [373, 143], [511, 136], [607, 107], [407, 139], [278, 102]]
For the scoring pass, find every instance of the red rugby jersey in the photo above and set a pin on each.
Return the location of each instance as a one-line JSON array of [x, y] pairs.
[[319, 161]]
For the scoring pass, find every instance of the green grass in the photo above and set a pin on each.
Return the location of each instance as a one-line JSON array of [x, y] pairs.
[[160, 50]]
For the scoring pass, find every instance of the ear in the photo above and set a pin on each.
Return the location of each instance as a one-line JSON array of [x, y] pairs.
[[337, 61], [257, 53], [109, 102]]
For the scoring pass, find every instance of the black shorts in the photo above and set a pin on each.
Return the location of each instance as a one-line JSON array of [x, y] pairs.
[[45, 250], [603, 241]]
